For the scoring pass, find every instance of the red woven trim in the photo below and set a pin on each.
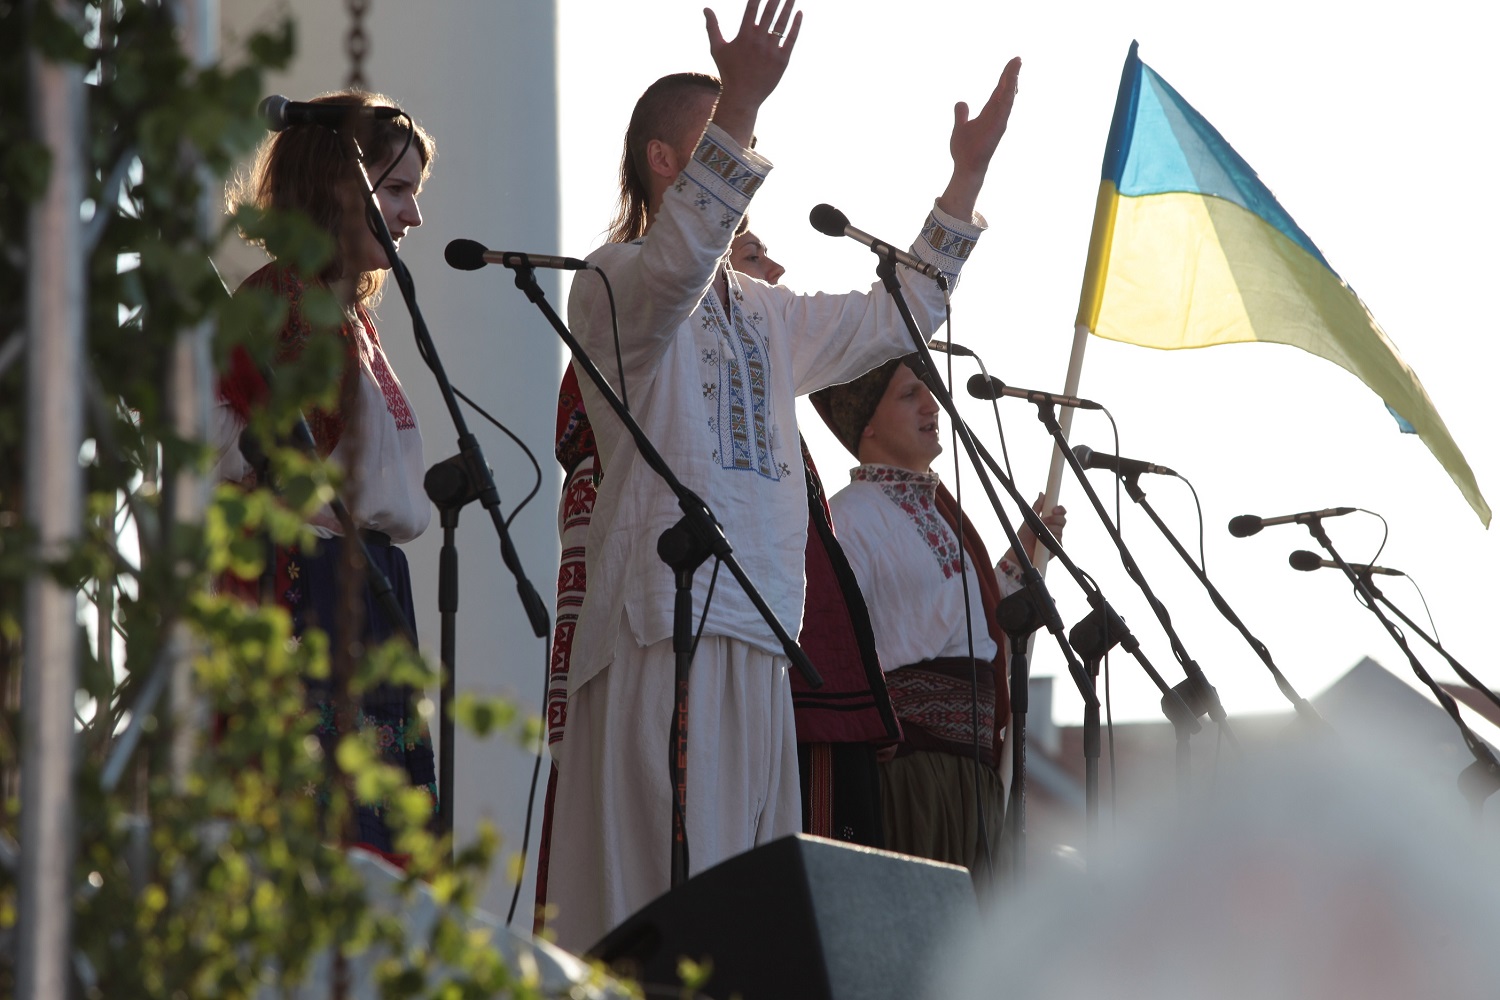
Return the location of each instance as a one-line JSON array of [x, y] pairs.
[[575, 435], [820, 790]]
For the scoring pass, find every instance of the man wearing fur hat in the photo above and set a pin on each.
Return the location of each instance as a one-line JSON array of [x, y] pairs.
[[932, 602]]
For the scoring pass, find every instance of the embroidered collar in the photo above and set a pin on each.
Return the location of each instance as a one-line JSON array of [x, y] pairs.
[[916, 494], [925, 482]]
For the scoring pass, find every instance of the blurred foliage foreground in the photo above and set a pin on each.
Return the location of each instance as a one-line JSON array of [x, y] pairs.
[[216, 876]]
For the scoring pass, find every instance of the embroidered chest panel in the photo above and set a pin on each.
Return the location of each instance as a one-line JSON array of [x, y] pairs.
[[736, 379], [395, 399], [914, 495]]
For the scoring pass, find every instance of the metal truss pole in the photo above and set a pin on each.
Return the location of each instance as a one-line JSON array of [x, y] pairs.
[[55, 311]]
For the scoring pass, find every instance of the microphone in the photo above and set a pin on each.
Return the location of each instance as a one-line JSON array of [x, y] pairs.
[[280, 112], [1308, 561], [471, 255], [831, 222], [989, 387], [1091, 459], [1248, 524], [949, 347]]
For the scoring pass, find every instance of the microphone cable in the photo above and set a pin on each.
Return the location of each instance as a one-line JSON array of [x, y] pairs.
[[535, 467], [999, 427], [1109, 702], [1203, 566], [1437, 640], [963, 575], [614, 326], [1385, 537], [411, 131], [536, 766], [536, 771], [1202, 556], [1375, 559]]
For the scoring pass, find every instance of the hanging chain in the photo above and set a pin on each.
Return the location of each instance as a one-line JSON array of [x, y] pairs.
[[358, 43]]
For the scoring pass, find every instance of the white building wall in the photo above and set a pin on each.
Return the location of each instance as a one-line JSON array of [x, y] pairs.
[[480, 75]]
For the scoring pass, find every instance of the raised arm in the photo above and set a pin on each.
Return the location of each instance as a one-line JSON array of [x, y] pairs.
[[696, 211], [752, 64], [974, 142]]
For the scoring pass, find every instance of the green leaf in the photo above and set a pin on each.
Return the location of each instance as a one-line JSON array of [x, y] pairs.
[[26, 165], [273, 49], [55, 37]]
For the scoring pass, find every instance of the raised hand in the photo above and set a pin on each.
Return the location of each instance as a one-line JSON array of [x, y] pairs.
[[1054, 520], [974, 142], [752, 64]]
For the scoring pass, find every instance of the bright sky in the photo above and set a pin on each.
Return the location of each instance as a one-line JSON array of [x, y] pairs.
[[1372, 130]]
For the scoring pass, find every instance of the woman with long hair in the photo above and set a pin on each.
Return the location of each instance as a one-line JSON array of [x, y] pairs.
[[371, 433]]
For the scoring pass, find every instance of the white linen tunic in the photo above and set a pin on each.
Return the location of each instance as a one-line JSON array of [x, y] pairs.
[[714, 390], [905, 557]]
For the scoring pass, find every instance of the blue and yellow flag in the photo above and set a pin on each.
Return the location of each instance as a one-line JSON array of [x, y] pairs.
[[1190, 249]]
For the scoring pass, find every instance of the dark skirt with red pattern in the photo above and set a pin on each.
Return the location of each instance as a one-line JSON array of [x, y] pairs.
[[309, 589]]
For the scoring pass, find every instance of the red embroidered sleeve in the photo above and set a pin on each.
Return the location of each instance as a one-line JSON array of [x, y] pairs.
[[243, 386]]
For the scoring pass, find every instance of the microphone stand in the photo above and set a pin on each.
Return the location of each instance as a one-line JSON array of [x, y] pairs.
[[448, 486], [1018, 618], [1093, 637], [683, 547], [1032, 580], [1479, 780], [1458, 668], [470, 454], [1173, 706], [1304, 708], [1198, 694]]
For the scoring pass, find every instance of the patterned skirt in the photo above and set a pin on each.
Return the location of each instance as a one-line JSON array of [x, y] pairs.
[[309, 587]]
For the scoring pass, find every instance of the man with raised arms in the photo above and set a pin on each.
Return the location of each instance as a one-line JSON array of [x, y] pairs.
[[711, 364]]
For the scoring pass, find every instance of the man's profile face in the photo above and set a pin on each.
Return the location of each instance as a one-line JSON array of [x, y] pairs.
[[903, 431]]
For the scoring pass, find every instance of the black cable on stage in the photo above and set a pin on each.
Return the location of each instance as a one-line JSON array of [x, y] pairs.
[[537, 469], [1202, 565], [536, 770], [963, 574], [1202, 557], [1109, 704]]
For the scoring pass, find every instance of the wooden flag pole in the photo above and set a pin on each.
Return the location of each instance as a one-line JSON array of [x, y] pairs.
[[1065, 421], [1049, 498]]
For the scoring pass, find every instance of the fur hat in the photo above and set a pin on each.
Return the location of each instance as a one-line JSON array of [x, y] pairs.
[[847, 408]]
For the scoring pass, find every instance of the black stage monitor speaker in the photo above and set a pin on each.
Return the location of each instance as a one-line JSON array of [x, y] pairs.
[[801, 917]]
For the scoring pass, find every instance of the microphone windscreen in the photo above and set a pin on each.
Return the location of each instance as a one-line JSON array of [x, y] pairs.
[[828, 220], [1244, 526], [273, 110], [980, 388], [466, 255], [1305, 561], [1084, 454]]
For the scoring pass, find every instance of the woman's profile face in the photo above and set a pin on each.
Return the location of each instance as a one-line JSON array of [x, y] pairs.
[[747, 254], [397, 198]]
